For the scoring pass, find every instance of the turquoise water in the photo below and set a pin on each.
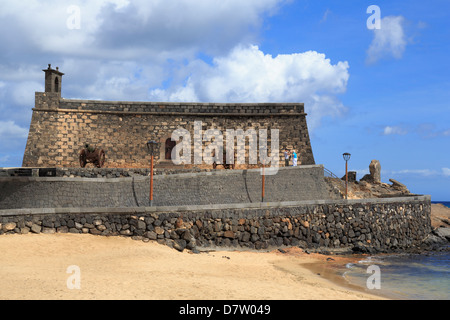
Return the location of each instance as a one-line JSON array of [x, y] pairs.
[[404, 276]]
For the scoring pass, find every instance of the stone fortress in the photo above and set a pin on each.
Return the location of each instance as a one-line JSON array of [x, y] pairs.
[[61, 127], [194, 206]]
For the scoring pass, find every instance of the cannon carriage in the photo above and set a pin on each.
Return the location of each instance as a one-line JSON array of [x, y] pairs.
[[92, 155]]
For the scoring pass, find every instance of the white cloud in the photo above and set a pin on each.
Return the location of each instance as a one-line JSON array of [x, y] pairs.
[[388, 130], [249, 75], [389, 40], [422, 172], [446, 172], [325, 16], [8, 130], [22, 93], [117, 29]]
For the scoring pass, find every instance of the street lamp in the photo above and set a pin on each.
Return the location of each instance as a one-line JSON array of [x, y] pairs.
[[152, 147], [346, 158], [263, 182]]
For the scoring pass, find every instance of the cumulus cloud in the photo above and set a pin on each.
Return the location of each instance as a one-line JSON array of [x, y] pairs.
[[8, 130], [422, 172], [389, 41], [174, 27], [394, 130], [425, 172], [423, 130], [249, 75], [119, 29], [446, 172], [121, 48]]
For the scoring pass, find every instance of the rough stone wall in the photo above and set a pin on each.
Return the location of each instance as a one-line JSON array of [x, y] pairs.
[[384, 224], [60, 128], [220, 186]]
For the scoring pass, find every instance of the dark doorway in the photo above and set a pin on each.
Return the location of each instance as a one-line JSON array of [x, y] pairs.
[[170, 144]]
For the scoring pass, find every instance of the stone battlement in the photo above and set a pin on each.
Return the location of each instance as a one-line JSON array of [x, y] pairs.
[[100, 106]]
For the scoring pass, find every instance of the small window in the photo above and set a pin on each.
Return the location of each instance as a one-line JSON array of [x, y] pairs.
[[56, 85]]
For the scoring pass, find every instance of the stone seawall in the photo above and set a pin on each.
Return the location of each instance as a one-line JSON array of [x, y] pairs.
[[382, 224], [215, 187]]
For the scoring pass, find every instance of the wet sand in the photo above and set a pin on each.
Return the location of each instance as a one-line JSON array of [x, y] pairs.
[[34, 266]]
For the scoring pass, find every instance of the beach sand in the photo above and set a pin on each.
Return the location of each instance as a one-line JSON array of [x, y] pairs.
[[34, 266]]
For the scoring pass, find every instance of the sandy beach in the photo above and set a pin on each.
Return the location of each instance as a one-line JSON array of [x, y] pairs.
[[34, 266]]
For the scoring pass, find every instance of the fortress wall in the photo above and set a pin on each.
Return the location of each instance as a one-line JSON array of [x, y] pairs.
[[216, 187], [379, 224], [60, 128]]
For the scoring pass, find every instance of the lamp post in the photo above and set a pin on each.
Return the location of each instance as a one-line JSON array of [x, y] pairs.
[[263, 182], [152, 147], [346, 158]]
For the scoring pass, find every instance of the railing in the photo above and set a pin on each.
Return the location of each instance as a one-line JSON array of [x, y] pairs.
[[328, 174]]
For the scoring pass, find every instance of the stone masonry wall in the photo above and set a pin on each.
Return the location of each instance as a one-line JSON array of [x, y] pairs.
[[381, 224], [60, 128], [215, 187]]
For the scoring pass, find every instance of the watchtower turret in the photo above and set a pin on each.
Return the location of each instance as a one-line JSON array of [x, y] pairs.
[[52, 95], [53, 79]]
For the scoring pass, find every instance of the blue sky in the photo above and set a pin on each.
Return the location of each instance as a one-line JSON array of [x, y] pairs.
[[379, 94]]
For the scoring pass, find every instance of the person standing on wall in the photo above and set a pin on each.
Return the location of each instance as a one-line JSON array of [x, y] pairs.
[[287, 157], [294, 158]]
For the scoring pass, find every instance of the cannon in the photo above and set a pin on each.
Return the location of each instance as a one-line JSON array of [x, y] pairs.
[[92, 155], [224, 162]]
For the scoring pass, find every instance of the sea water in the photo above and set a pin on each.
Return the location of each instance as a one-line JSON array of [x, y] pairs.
[[423, 276], [403, 276]]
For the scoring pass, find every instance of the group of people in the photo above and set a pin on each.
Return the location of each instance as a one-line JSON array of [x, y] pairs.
[[287, 157]]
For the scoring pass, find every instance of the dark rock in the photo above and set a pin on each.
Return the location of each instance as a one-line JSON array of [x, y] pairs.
[[47, 223], [191, 244], [48, 230], [229, 234], [179, 244], [35, 228], [442, 233], [141, 225], [367, 178], [71, 223], [361, 249], [151, 235], [62, 229]]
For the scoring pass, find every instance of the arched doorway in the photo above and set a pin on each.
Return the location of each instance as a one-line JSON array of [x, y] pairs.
[[169, 145]]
